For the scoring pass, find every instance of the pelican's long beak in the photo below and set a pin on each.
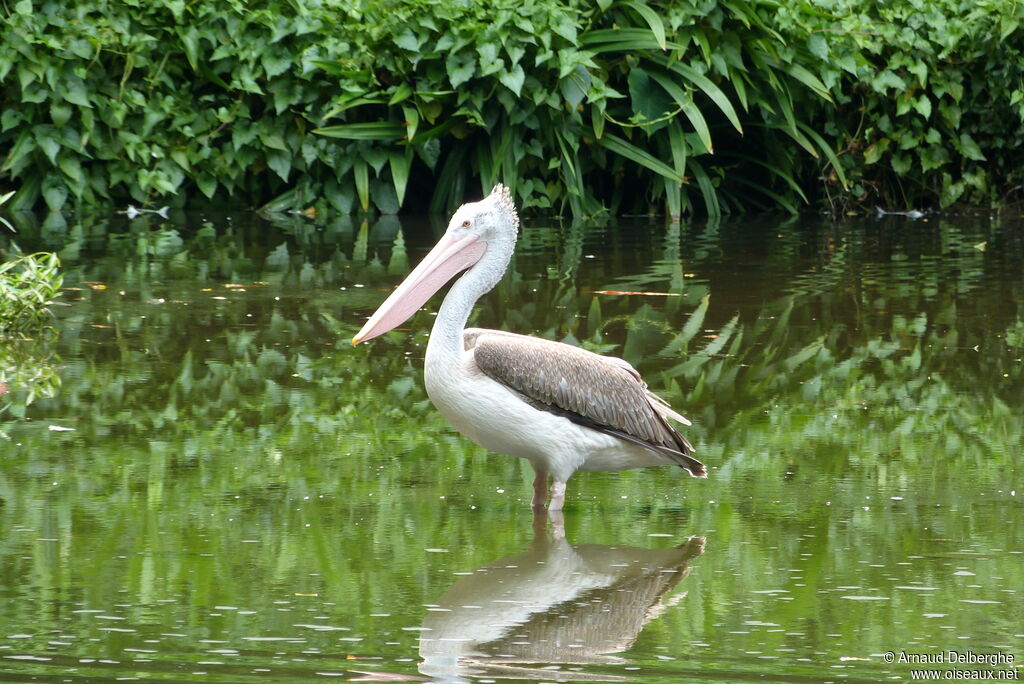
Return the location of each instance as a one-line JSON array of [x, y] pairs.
[[453, 254]]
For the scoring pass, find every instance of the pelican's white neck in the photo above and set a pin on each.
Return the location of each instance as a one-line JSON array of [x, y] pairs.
[[446, 335]]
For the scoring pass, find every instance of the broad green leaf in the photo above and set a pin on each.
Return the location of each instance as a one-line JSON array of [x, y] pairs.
[[272, 138], [207, 184], [624, 40], [673, 198], [970, 148], [55, 192], [400, 163], [72, 169], [818, 46], [489, 62], [339, 196], [60, 113], [412, 120], [650, 101], [597, 121], [403, 91], [705, 85], [875, 151], [74, 92], [707, 189], [513, 79], [27, 194], [180, 157], [923, 105], [810, 80], [361, 175], [280, 162], [46, 140], [823, 145], [652, 19], [887, 80], [349, 103], [12, 117], [276, 62], [1007, 25], [190, 42], [678, 146], [461, 68], [951, 191], [564, 26], [576, 85], [933, 157], [374, 130], [429, 151], [638, 156], [685, 101], [407, 40], [376, 157], [693, 113], [920, 69], [901, 163], [383, 196], [951, 113], [26, 143]]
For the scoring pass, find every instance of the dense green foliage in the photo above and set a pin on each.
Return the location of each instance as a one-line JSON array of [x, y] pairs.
[[930, 96], [28, 285], [620, 105], [155, 101]]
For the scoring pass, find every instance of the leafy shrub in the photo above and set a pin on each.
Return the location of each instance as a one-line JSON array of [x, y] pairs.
[[153, 101], [622, 105], [930, 95], [138, 101], [28, 285], [618, 97]]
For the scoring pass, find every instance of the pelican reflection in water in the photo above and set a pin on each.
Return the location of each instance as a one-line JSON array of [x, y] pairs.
[[554, 603]]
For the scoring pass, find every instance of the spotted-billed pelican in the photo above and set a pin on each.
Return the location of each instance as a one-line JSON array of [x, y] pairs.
[[560, 407]]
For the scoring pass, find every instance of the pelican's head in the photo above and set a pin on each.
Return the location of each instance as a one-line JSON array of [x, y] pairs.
[[481, 232], [493, 218]]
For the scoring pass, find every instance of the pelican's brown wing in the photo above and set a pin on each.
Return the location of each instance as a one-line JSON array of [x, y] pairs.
[[599, 392]]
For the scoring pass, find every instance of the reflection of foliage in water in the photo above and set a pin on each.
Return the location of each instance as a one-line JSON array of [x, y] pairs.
[[29, 283], [216, 399], [853, 334], [28, 369]]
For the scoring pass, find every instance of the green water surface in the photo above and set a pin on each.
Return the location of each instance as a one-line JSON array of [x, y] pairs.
[[219, 487]]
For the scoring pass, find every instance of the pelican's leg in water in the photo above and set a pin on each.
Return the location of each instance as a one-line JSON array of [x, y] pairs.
[[540, 489], [557, 496]]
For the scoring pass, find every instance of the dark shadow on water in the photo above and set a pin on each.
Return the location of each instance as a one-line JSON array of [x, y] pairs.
[[554, 603]]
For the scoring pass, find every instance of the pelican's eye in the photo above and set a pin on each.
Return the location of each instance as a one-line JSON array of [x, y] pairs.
[[466, 223]]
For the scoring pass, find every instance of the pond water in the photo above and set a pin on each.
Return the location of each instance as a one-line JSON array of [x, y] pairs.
[[211, 484]]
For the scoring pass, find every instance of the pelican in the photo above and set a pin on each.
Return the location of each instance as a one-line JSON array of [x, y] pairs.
[[562, 408]]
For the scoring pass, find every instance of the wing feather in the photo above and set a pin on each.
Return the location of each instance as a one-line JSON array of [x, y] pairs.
[[601, 392]]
